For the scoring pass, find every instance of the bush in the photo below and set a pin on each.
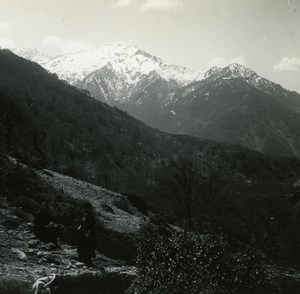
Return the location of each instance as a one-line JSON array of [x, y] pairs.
[[189, 263]]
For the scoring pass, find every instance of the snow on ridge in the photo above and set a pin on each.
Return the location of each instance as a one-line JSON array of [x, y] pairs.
[[32, 54], [132, 64], [233, 70], [129, 61], [236, 70]]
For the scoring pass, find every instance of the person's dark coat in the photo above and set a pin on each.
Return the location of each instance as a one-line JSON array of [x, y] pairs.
[[86, 238]]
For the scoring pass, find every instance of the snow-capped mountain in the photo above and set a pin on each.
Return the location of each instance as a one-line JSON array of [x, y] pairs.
[[235, 70], [131, 62], [109, 71]]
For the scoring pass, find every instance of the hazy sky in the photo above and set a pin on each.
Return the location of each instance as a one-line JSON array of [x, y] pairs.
[[261, 34]]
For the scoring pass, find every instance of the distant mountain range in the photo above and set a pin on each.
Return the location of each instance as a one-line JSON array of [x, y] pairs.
[[231, 104]]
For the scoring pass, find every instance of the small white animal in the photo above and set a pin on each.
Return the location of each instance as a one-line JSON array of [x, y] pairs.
[[41, 285]]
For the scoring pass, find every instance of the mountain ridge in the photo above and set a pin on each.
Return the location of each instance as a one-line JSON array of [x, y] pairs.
[[177, 100], [137, 63]]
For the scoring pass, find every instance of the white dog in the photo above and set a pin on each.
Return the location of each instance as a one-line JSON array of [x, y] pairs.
[[41, 285]]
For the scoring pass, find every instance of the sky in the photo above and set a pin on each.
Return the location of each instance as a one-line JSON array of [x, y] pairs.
[[261, 34]]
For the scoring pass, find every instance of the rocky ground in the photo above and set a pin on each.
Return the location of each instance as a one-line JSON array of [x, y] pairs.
[[23, 257]]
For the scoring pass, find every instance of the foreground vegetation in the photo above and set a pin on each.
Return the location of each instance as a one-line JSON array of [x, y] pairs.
[[190, 263]]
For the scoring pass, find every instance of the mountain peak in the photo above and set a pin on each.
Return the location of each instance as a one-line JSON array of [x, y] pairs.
[[233, 70], [239, 70]]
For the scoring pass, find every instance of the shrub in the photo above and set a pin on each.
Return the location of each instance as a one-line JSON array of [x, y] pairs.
[[189, 263]]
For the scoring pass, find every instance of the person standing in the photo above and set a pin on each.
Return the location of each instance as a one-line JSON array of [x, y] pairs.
[[87, 236]]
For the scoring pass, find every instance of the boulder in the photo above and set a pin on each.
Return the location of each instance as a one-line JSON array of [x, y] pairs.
[[49, 257], [50, 246], [21, 255], [32, 243]]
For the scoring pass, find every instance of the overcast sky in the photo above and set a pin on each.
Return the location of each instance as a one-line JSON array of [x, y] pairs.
[[261, 34]]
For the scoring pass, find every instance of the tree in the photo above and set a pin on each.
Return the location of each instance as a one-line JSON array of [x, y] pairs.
[[271, 222], [12, 122], [36, 140], [181, 181]]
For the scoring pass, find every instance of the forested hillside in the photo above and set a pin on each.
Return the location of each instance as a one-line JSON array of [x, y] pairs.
[[195, 183]]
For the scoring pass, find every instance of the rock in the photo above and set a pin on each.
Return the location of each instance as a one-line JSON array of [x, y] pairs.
[[20, 269], [53, 270], [21, 255], [49, 257], [50, 246], [40, 253], [79, 263], [71, 253], [32, 243], [20, 237], [30, 251]]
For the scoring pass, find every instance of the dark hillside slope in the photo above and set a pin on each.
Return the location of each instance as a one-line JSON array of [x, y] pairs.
[[77, 128], [46, 122], [70, 132]]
